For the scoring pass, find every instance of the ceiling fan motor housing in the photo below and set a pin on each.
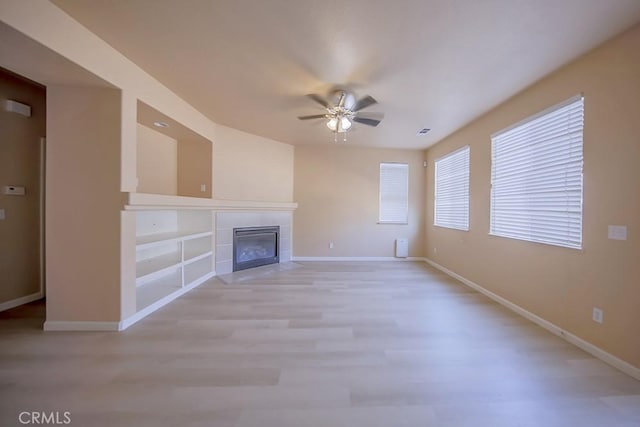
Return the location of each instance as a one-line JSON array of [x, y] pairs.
[[337, 95]]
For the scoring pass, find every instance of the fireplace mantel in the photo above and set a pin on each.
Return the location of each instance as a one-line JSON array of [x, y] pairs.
[[144, 201], [227, 214]]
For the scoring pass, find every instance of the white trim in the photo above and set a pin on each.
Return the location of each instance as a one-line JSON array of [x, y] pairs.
[[363, 258], [163, 301], [144, 201], [20, 301], [63, 325], [609, 358], [43, 189]]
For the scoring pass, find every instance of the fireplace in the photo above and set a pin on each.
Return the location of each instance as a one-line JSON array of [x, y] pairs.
[[255, 246]]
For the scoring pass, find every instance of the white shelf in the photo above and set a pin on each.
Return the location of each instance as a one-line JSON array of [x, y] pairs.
[[148, 269], [150, 240], [197, 269], [174, 253], [196, 258], [157, 289]]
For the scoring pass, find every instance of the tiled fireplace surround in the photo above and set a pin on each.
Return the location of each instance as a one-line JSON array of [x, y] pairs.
[[227, 221]]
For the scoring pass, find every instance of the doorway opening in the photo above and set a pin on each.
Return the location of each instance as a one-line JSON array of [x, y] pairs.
[[22, 162]]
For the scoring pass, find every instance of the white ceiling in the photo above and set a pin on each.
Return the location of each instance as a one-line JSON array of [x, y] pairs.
[[430, 63]]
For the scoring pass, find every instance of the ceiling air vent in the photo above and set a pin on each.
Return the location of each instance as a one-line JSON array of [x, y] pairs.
[[422, 132]]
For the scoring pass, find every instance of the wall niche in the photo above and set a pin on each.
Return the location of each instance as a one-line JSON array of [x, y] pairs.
[[171, 159]]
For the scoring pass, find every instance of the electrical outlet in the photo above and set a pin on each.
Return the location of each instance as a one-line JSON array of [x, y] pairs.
[[2, 214], [435, 250], [598, 315], [203, 188], [330, 245]]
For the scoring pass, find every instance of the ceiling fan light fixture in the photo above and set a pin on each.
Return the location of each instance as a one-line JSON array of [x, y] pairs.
[[333, 124], [342, 110]]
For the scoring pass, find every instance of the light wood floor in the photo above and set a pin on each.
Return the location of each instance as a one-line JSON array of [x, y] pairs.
[[314, 345]]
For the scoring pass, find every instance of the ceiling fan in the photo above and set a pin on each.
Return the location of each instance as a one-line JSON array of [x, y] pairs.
[[342, 110]]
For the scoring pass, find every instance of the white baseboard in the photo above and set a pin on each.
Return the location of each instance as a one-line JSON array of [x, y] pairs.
[[56, 325], [20, 301], [64, 325], [609, 358], [162, 302], [363, 258]]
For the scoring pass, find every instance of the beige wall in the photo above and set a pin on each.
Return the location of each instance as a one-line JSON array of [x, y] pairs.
[[83, 204], [194, 168], [20, 165], [157, 162], [337, 191], [563, 285], [249, 167]]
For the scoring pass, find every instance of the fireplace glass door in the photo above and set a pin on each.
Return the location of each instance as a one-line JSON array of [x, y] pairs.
[[255, 246]]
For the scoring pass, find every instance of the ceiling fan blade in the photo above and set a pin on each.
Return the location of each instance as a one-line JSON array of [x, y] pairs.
[[314, 116], [365, 121], [364, 103], [320, 100], [370, 115]]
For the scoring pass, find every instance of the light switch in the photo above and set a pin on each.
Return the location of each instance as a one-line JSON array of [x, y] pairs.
[[618, 232], [2, 214]]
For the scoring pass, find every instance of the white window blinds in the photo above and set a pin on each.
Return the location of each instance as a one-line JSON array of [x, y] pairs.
[[536, 177], [394, 193], [452, 190]]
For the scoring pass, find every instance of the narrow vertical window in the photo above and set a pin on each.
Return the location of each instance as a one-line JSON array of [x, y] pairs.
[[394, 193], [452, 190]]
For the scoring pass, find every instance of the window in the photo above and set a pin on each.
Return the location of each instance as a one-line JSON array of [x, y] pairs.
[[536, 177], [452, 190], [394, 193]]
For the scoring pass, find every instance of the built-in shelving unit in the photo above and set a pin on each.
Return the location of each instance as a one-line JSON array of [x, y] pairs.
[[175, 245], [174, 253]]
